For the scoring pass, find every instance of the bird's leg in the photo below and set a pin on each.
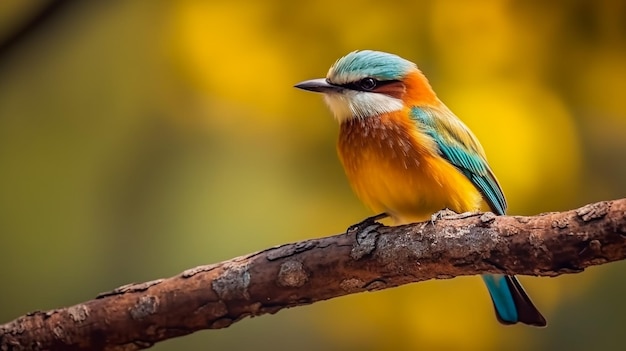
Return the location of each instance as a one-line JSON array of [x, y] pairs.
[[367, 222]]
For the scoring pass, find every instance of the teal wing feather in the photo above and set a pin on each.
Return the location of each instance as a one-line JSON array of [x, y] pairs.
[[460, 147]]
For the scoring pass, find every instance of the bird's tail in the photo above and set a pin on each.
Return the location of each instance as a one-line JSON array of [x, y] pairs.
[[510, 301]]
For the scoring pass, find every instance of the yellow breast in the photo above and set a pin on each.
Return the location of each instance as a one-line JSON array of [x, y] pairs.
[[394, 168]]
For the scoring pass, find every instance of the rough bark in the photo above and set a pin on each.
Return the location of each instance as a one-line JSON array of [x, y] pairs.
[[372, 257]]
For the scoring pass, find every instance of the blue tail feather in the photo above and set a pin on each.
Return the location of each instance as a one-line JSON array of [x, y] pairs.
[[510, 301], [501, 298]]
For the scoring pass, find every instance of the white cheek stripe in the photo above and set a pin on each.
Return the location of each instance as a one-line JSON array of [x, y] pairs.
[[360, 104]]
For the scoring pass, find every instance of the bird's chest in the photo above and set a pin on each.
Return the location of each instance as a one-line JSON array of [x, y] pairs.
[[373, 148], [395, 169]]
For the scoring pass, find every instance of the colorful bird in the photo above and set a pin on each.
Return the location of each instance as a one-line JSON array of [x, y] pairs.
[[408, 156]]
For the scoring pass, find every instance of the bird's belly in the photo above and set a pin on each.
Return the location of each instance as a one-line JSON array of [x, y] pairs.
[[394, 168], [410, 189]]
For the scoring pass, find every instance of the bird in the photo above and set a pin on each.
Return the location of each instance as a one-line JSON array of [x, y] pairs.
[[407, 156]]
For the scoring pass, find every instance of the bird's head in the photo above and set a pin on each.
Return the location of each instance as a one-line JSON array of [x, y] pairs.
[[369, 83]]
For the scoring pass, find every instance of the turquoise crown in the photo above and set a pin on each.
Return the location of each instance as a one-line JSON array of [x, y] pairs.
[[368, 63]]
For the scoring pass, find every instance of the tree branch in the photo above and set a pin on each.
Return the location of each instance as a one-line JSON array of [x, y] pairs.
[[376, 257]]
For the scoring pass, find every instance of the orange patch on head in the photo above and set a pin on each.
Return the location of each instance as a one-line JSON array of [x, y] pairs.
[[418, 90]]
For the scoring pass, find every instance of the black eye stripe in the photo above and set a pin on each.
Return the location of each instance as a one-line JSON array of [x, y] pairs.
[[358, 84]]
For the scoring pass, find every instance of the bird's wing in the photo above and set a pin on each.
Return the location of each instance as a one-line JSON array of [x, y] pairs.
[[460, 147]]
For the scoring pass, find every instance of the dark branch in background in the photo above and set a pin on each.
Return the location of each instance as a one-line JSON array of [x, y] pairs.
[[33, 24], [376, 257]]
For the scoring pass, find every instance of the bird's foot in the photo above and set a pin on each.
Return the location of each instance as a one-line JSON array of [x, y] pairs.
[[445, 213], [367, 222]]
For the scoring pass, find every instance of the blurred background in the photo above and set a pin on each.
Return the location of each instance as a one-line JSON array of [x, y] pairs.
[[142, 138]]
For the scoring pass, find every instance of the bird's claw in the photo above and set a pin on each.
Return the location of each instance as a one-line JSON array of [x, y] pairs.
[[373, 220]]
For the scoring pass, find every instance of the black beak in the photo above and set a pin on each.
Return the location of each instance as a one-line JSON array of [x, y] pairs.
[[318, 85]]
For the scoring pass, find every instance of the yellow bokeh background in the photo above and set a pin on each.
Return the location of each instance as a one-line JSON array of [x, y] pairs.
[[141, 138]]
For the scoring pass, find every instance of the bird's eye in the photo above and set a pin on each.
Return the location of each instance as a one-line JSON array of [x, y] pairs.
[[368, 83]]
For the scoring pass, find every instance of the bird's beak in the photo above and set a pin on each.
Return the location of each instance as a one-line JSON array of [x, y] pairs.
[[318, 85]]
